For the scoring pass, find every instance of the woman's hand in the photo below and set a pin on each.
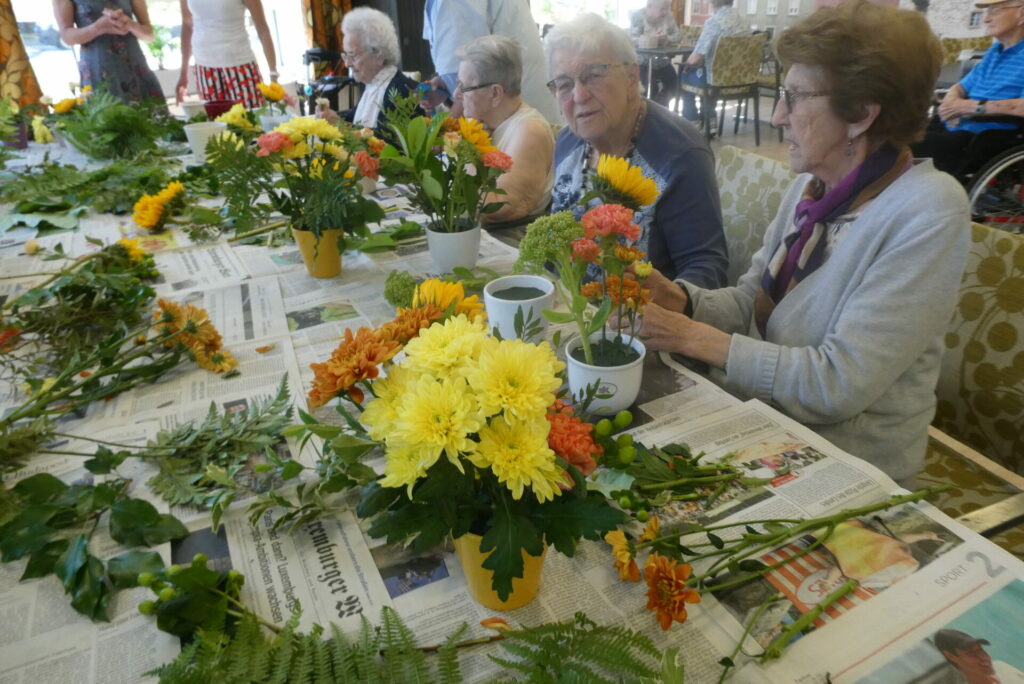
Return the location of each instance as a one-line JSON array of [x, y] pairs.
[[664, 292], [664, 330], [112, 22], [327, 114], [181, 90]]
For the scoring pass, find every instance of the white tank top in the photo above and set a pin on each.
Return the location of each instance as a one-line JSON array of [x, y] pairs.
[[504, 131], [219, 38]]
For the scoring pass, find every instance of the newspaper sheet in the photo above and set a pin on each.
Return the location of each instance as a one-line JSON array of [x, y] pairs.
[[187, 269]]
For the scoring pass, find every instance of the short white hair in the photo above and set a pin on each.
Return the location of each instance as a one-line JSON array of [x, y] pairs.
[[496, 59], [589, 34], [375, 31]]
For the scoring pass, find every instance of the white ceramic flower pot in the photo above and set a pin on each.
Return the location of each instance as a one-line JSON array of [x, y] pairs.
[[199, 133], [271, 121], [367, 185], [449, 250], [501, 310], [621, 382], [192, 109]]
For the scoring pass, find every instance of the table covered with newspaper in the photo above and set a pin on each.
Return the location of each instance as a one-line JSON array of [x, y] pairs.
[[918, 571]]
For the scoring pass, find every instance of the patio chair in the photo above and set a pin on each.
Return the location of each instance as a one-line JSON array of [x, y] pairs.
[[734, 68]]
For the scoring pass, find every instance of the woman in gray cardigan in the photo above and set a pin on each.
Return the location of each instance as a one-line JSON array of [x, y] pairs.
[[839, 321]]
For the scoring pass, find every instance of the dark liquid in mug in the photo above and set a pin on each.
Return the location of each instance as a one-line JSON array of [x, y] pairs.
[[518, 293]]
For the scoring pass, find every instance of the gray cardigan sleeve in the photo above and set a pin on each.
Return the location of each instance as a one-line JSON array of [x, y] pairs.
[[884, 318]]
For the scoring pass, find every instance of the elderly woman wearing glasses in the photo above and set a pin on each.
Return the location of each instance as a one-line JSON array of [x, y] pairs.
[[596, 81], [371, 55], [489, 90], [839, 321]]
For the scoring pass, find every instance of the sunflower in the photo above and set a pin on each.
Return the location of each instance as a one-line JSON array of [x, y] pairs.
[[667, 592], [473, 131], [621, 183], [444, 295], [131, 246]]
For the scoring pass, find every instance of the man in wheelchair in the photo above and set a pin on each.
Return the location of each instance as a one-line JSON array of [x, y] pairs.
[[964, 135]]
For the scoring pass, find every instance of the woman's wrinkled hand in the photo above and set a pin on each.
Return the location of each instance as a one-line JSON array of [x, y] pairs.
[[664, 330], [664, 292], [327, 114]]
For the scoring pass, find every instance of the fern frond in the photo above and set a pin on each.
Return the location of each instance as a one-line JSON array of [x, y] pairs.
[[403, 661], [364, 653], [448, 659]]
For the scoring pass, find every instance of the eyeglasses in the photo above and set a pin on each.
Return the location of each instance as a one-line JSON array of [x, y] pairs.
[[351, 57], [791, 97], [993, 11], [592, 76], [468, 89]]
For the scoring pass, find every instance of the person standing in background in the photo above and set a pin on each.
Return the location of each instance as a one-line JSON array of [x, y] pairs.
[[450, 24], [109, 32], [225, 69]]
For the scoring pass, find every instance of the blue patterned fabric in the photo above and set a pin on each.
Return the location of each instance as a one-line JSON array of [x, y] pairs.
[[682, 230]]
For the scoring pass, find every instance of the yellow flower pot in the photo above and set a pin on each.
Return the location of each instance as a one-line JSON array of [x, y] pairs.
[[322, 258], [524, 589]]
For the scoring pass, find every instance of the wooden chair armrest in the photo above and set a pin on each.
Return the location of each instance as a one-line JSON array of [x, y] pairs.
[[965, 452]]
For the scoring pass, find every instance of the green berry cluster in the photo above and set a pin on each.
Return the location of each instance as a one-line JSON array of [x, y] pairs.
[[619, 451]]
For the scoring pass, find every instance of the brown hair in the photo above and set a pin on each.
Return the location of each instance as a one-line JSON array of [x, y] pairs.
[[871, 54]]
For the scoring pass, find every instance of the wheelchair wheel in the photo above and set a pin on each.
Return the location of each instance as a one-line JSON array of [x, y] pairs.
[[997, 192]]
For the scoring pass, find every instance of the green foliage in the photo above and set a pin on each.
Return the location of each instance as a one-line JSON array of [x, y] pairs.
[[56, 188], [399, 288], [446, 502], [580, 651], [386, 654], [103, 127], [54, 526], [546, 239], [198, 464]]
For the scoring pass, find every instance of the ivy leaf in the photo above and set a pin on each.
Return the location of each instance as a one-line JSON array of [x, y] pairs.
[[90, 593], [72, 560], [124, 570], [39, 488], [42, 562], [134, 522], [26, 534], [507, 538]]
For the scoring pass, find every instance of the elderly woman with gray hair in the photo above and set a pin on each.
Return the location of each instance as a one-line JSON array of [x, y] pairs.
[[489, 88], [596, 81], [371, 55]]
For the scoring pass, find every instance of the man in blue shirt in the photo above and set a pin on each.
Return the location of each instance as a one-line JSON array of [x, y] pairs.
[[994, 86]]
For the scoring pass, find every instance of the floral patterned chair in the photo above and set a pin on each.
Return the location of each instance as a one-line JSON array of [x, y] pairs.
[[751, 188]]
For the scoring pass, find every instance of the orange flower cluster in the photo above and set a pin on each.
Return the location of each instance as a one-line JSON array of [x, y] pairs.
[[586, 250], [570, 438], [610, 219], [628, 254], [667, 593], [624, 290], [8, 338], [368, 164], [496, 159], [191, 328], [360, 356], [623, 551]]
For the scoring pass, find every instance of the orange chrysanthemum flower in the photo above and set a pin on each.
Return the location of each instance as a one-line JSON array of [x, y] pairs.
[[8, 338], [215, 361], [667, 592], [651, 529], [570, 438], [628, 291], [368, 164], [357, 358], [623, 552], [586, 250], [628, 254], [449, 125], [409, 322], [169, 316], [591, 290]]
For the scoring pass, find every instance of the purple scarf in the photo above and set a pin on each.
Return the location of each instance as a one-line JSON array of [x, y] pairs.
[[803, 250]]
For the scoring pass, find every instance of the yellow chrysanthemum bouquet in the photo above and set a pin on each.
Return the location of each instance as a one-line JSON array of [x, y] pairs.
[[449, 163], [464, 421]]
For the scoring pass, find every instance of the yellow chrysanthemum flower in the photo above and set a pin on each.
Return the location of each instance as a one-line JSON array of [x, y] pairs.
[[643, 269], [301, 128], [152, 211], [443, 294], [40, 131], [438, 416], [332, 150], [272, 91], [236, 116], [65, 105], [131, 245], [516, 377], [473, 131], [382, 413], [626, 184], [403, 466], [446, 349], [518, 455], [218, 361]]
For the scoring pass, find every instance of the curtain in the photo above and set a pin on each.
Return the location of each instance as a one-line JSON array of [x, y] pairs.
[[323, 24], [17, 80]]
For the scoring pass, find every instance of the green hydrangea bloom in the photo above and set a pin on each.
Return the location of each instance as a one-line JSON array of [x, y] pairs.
[[399, 288], [546, 239]]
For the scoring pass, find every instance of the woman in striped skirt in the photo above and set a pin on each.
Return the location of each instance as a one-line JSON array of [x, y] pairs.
[[225, 68]]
